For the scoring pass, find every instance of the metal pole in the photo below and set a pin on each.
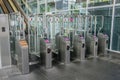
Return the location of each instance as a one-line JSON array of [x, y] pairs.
[[28, 29], [20, 16], [95, 25], [38, 33], [55, 7], [35, 28], [46, 6], [112, 25], [87, 6], [38, 6]]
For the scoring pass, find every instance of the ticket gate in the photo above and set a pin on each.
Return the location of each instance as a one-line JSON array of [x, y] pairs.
[[79, 47], [64, 49], [91, 46], [46, 53], [102, 44], [23, 56]]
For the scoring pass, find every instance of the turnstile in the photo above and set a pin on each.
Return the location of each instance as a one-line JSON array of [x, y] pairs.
[[79, 47], [102, 44], [46, 53], [64, 49], [91, 46], [23, 56]]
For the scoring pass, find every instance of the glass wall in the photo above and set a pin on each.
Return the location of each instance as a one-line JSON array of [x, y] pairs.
[[99, 2], [111, 19], [117, 1], [116, 30], [107, 13], [32, 7], [81, 3], [92, 7]]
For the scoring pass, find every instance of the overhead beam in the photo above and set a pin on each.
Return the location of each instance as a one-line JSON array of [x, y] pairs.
[[3, 7]]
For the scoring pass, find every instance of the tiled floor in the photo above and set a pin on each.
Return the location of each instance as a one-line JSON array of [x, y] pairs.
[[93, 69]]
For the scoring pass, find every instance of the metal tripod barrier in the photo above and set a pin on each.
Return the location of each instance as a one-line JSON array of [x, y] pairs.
[[102, 44], [64, 49], [46, 53], [79, 47], [91, 46], [23, 57]]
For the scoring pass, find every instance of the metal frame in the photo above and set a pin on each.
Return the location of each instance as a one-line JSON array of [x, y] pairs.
[[35, 35], [112, 22], [93, 7]]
